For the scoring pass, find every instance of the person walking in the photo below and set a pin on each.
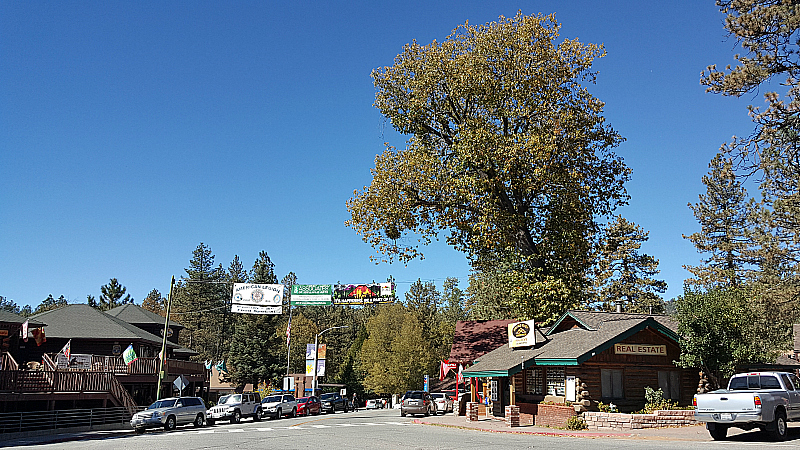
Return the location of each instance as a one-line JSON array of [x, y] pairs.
[[355, 401]]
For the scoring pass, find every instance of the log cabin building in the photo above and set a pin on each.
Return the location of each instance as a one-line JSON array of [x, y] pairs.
[[614, 355]]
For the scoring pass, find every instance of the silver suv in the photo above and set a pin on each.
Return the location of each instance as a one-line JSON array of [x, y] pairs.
[[169, 413], [279, 405], [235, 406]]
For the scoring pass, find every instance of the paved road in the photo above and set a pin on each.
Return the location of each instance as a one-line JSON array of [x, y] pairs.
[[381, 429]]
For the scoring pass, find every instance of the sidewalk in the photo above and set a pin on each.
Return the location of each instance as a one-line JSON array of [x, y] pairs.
[[492, 425]]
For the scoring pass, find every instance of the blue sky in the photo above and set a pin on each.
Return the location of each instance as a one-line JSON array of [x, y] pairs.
[[132, 131]]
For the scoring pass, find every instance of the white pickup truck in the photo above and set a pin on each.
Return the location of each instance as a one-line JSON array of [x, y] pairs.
[[765, 400]]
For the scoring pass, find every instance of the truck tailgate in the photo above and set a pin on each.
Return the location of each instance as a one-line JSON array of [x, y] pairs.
[[725, 402]]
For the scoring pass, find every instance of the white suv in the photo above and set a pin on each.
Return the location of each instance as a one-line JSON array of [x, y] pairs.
[[235, 406], [279, 405]]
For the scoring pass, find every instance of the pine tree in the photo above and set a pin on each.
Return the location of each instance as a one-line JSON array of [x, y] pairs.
[[624, 274], [726, 218], [51, 303], [155, 302], [9, 305], [112, 295]]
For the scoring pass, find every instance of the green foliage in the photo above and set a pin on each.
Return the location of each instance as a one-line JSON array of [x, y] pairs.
[[624, 274], [576, 423], [155, 302], [112, 295], [602, 407], [51, 303], [394, 355], [9, 305], [722, 328], [508, 154], [655, 401]]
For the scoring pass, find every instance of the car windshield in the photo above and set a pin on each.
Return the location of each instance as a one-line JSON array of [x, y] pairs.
[[302, 399], [229, 399], [437, 395], [415, 395], [168, 403], [326, 396], [273, 399]]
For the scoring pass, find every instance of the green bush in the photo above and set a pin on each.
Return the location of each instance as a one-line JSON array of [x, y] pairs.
[[656, 401], [575, 423]]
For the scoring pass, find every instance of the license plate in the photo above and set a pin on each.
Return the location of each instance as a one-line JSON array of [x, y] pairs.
[[725, 417]]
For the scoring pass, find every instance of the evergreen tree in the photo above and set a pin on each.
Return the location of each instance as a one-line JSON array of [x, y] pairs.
[[624, 274], [92, 301], [155, 302], [9, 305], [726, 218], [201, 304], [51, 303], [113, 295]]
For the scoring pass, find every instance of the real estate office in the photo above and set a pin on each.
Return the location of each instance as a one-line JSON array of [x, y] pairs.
[[614, 355]]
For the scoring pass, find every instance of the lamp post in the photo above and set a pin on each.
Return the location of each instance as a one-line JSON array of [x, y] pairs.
[[316, 355]]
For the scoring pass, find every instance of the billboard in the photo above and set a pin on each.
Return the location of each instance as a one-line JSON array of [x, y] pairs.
[[311, 294], [310, 367], [257, 298], [363, 294], [521, 334]]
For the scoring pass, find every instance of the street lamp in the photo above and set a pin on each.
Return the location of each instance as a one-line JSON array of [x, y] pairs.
[[316, 355]]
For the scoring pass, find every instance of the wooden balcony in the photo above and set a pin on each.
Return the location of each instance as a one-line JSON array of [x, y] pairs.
[[142, 366]]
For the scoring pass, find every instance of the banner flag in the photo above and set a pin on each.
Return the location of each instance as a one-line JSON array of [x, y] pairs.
[[460, 378], [445, 367], [288, 330], [129, 356], [67, 349], [38, 336], [221, 367], [209, 363], [25, 331]]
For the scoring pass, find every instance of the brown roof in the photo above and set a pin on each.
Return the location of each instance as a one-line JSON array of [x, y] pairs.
[[475, 338], [796, 332]]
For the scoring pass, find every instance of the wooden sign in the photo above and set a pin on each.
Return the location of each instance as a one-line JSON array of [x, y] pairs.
[[640, 349]]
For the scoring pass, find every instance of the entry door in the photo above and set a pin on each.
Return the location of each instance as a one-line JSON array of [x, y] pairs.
[[570, 388]]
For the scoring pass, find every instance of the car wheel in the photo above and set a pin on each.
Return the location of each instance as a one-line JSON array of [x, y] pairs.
[[345, 408], [294, 411], [778, 431], [257, 416], [402, 413], [169, 425], [138, 430], [278, 414], [210, 422], [719, 432], [199, 421], [236, 417]]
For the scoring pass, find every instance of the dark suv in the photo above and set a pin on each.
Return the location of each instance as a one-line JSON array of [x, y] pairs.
[[332, 402]]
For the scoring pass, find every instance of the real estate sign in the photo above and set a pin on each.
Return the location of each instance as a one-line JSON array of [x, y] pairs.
[[363, 294], [640, 349], [257, 298], [521, 334], [311, 294]]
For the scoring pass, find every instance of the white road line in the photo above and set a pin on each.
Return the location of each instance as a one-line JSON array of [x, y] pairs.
[[237, 430], [263, 429], [207, 431], [395, 423], [320, 426]]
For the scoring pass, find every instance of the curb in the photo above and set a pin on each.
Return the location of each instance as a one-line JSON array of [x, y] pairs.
[[536, 433]]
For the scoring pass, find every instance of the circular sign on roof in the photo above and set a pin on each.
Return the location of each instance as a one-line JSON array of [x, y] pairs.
[[521, 330]]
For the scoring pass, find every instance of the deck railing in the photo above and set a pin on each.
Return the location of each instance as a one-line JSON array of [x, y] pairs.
[[141, 366], [8, 362], [39, 421]]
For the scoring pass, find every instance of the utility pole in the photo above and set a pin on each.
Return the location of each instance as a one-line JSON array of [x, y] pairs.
[[163, 356]]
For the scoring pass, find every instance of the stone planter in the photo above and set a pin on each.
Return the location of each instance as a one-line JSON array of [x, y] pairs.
[[619, 421], [553, 415]]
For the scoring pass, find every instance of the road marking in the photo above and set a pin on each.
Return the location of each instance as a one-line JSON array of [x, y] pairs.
[[320, 426], [236, 430]]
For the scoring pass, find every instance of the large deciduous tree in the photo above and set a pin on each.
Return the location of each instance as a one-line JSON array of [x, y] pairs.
[[509, 153]]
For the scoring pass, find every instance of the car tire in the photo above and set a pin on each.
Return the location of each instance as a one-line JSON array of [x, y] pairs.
[[778, 429], [257, 415], [169, 425], [138, 430], [236, 417], [278, 413], [402, 413], [199, 421], [294, 411], [210, 422]]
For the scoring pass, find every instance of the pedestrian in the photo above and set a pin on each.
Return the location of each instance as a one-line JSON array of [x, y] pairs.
[[355, 401]]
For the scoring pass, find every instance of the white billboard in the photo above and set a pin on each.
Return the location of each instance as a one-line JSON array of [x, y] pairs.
[[251, 298]]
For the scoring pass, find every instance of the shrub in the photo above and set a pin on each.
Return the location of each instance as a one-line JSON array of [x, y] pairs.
[[575, 423], [656, 401]]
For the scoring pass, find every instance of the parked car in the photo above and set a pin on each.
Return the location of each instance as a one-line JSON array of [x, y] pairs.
[[279, 405], [374, 403], [417, 402], [235, 406], [444, 403], [308, 405], [332, 402], [169, 413], [765, 400]]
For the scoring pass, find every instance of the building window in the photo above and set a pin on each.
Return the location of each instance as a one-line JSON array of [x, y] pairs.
[[533, 382], [555, 381], [611, 383], [670, 384]]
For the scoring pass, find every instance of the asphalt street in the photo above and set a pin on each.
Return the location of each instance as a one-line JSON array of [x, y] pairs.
[[378, 429]]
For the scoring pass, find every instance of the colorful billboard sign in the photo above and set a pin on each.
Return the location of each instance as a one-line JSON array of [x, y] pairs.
[[310, 368], [323, 349], [363, 294], [257, 298], [312, 294]]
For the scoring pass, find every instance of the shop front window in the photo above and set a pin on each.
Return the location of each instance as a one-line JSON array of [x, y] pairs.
[[533, 385], [556, 381], [611, 383]]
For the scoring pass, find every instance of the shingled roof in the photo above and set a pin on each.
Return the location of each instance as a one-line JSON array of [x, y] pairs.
[[474, 338], [85, 322], [575, 337], [9, 317], [136, 315]]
